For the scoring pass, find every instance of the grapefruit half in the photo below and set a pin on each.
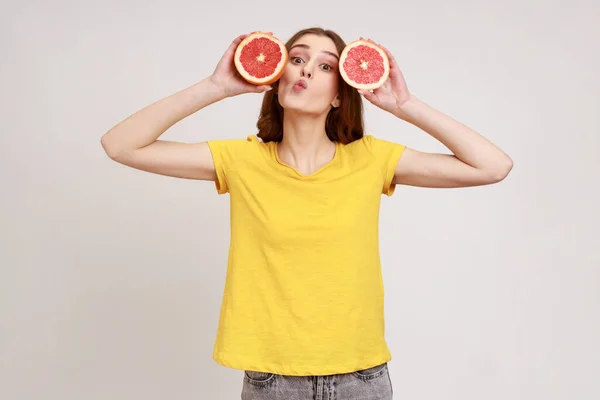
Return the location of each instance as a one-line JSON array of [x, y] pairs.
[[261, 58], [364, 65]]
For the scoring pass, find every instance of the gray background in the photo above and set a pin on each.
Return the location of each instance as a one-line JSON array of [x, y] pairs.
[[111, 278]]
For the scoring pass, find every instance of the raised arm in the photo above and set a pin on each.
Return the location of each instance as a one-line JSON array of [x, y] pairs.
[[134, 141], [475, 160]]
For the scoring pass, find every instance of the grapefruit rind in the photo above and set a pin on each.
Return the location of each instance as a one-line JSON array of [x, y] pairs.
[[279, 69], [368, 86]]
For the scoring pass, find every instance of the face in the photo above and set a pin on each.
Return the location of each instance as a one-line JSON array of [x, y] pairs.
[[315, 60]]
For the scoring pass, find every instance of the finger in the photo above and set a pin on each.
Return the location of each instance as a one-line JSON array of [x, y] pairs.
[[388, 53], [366, 94], [394, 69], [270, 33], [238, 40], [377, 44], [374, 42], [261, 88]]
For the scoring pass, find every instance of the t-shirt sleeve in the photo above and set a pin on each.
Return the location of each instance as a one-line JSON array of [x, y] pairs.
[[226, 153], [387, 154]]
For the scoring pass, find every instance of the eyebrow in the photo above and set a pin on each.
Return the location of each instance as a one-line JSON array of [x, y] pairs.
[[305, 46]]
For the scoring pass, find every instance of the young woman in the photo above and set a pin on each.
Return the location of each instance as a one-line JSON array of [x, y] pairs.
[[302, 312]]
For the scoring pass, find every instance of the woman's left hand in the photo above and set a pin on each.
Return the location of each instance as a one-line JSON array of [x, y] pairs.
[[394, 92]]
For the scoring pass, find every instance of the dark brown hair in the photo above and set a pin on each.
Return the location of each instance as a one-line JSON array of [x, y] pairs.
[[343, 124]]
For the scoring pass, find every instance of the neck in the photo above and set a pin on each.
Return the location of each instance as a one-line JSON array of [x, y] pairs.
[[305, 145]]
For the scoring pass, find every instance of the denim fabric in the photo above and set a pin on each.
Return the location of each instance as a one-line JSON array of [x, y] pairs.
[[369, 384]]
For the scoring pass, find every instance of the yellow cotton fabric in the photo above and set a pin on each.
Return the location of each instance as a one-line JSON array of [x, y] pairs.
[[304, 291]]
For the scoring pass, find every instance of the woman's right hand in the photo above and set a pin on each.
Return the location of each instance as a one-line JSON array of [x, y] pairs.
[[228, 79]]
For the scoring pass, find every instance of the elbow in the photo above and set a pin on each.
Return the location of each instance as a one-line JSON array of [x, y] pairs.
[[110, 150], [105, 146], [500, 172]]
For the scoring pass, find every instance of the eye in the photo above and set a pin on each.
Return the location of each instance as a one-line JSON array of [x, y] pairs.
[[329, 67]]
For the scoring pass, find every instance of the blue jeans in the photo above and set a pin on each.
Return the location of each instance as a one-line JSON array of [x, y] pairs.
[[368, 384]]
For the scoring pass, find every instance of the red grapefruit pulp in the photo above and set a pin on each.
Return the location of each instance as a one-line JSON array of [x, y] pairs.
[[364, 65], [261, 58]]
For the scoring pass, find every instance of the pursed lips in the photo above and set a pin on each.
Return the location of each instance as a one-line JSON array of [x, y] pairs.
[[301, 83]]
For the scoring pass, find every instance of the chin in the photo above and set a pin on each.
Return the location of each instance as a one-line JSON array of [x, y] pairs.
[[304, 110], [301, 103]]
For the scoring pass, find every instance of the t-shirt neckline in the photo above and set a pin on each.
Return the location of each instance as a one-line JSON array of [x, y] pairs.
[[334, 159]]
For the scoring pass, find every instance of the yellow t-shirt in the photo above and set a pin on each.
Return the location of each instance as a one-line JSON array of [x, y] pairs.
[[304, 291]]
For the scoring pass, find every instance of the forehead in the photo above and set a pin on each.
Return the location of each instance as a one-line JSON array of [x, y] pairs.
[[316, 43]]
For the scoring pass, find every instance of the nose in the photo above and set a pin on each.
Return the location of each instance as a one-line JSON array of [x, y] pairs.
[[306, 72]]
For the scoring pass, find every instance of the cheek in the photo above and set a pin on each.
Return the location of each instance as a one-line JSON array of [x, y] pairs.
[[330, 83], [288, 74]]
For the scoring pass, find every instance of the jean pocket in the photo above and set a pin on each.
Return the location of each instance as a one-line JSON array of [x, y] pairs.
[[371, 373], [258, 378]]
